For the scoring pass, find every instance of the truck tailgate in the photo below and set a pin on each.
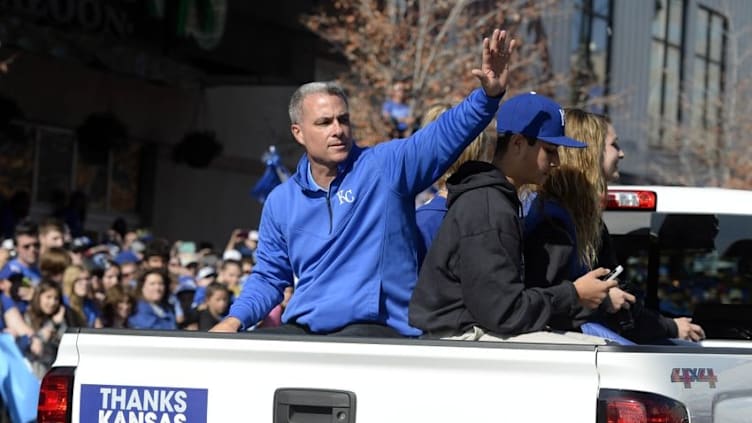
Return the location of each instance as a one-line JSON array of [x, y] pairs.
[[234, 377], [715, 383]]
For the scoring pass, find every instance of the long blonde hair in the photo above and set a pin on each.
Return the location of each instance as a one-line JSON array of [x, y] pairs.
[[478, 149], [578, 183], [75, 303]]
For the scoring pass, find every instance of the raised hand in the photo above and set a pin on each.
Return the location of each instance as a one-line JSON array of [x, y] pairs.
[[494, 71]]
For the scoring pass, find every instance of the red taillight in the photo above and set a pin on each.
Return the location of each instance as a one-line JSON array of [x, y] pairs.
[[631, 200], [625, 411], [617, 406], [55, 396]]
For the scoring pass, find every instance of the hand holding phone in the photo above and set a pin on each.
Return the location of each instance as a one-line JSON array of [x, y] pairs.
[[614, 273]]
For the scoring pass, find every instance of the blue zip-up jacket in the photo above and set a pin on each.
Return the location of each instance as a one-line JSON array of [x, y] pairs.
[[147, 316], [353, 248]]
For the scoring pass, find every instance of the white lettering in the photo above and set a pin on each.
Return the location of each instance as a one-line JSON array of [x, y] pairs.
[[345, 196], [105, 392], [180, 405], [117, 399], [165, 418], [134, 402], [151, 400], [120, 417], [151, 417], [165, 398], [104, 416], [134, 417], [179, 418]]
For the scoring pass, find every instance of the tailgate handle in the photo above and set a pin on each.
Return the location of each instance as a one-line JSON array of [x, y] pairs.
[[303, 405]]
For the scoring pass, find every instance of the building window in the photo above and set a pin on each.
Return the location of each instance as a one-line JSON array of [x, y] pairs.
[[666, 72], [708, 70], [46, 163], [591, 50]]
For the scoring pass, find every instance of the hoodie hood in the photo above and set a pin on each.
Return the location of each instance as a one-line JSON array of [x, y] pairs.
[[473, 175]]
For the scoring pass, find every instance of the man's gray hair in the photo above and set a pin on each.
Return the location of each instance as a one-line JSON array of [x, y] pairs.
[[296, 101]]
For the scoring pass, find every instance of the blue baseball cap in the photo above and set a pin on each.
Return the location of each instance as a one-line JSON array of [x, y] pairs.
[[126, 256], [537, 116]]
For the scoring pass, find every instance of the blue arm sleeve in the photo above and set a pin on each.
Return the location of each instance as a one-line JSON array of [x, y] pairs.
[[272, 274], [416, 162]]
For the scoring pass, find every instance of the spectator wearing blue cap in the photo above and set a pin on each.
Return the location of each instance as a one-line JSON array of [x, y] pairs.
[[471, 285], [129, 263]]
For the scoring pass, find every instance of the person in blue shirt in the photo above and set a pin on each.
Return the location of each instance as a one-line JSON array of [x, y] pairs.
[[430, 215], [344, 224], [153, 310], [23, 269], [396, 112]]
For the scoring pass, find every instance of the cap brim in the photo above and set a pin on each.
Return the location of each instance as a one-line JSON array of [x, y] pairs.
[[564, 142]]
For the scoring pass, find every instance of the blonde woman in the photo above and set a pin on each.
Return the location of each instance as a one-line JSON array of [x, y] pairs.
[[563, 237], [429, 216], [77, 295]]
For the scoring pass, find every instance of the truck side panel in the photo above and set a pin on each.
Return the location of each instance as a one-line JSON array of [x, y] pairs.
[[402, 381], [714, 383]]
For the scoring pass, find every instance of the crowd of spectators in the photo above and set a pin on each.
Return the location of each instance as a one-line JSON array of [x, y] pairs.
[[50, 281]]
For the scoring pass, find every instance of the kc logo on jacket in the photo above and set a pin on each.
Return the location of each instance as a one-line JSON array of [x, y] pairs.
[[345, 196], [147, 404]]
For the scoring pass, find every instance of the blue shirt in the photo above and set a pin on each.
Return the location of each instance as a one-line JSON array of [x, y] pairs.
[[31, 274], [149, 316], [7, 304], [353, 248], [396, 111]]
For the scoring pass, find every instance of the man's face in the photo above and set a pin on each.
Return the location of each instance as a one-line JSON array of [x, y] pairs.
[[399, 92], [155, 262], [612, 153], [28, 249], [324, 129], [51, 239], [539, 159], [128, 272]]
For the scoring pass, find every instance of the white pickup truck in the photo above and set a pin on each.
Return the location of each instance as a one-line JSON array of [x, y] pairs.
[[687, 248]]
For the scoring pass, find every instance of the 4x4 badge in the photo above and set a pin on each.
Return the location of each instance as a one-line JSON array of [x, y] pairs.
[[687, 376]]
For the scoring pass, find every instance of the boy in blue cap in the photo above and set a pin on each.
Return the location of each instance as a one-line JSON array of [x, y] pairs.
[[471, 285]]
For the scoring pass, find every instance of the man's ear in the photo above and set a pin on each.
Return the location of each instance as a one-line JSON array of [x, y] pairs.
[[516, 143], [297, 133]]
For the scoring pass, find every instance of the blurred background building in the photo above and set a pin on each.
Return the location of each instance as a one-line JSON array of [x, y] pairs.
[[159, 111]]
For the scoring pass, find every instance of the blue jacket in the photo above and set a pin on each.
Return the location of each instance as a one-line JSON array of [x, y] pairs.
[[147, 316], [429, 217], [353, 248]]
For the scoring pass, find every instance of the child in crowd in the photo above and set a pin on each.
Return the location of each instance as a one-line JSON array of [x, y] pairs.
[[46, 316], [117, 308], [215, 306]]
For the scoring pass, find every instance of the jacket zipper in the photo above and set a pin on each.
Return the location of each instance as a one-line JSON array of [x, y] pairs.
[[329, 207]]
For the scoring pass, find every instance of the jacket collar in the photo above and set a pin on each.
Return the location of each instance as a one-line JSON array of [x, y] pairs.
[[302, 176]]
